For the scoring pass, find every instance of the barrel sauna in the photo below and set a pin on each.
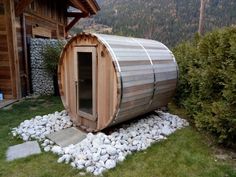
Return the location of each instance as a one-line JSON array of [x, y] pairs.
[[106, 79]]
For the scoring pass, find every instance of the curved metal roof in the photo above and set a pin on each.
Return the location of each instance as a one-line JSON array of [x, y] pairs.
[[141, 62]]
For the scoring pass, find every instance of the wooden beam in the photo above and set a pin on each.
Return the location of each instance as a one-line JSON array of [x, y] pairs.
[[75, 20], [93, 6], [22, 4], [74, 14], [25, 53], [79, 6], [72, 23]]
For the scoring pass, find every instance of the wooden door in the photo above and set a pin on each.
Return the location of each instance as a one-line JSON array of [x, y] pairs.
[[86, 82]]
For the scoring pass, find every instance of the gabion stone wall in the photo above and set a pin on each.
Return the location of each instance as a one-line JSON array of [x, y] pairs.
[[42, 83]]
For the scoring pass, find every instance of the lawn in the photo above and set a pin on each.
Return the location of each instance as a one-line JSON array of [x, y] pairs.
[[185, 153]]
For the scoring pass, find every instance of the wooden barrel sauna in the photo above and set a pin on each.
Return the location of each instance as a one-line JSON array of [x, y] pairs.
[[106, 79]]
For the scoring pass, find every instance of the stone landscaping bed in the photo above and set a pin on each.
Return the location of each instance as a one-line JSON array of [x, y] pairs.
[[99, 152]]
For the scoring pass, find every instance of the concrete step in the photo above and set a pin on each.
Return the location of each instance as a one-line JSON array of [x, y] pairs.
[[67, 136], [23, 150]]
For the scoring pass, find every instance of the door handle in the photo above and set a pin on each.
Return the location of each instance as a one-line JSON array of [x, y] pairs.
[[76, 96]]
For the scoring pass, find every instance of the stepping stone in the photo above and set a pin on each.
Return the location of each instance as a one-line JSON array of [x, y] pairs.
[[67, 136], [23, 150]]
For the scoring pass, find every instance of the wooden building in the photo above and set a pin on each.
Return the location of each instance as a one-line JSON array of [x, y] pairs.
[[21, 20], [105, 79]]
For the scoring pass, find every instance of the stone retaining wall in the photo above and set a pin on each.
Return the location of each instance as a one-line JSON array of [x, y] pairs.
[[42, 82]]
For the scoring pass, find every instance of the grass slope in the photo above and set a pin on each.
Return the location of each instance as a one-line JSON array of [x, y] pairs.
[[184, 153]]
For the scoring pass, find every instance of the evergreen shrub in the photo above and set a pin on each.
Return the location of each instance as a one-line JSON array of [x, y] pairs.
[[207, 82]]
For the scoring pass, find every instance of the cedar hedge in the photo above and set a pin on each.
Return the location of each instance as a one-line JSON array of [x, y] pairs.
[[207, 82]]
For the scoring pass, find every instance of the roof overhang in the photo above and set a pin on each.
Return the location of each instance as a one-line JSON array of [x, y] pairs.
[[89, 7], [86, 8]]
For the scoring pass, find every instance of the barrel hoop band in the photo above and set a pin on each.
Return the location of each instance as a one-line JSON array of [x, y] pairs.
[[150, 59]]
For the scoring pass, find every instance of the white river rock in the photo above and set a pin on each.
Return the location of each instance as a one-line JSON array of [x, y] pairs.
[[100, 152], [110, 164]]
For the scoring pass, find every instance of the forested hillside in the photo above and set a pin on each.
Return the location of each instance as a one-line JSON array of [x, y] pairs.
[[169, 21]]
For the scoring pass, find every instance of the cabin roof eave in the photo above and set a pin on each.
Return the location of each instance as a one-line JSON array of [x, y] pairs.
[[88, 7]]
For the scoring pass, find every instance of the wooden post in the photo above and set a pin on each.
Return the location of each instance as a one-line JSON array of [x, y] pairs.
[[25, 53], [12, 49]]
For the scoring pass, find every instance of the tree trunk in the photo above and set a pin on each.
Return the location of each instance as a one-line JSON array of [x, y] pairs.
[[202, 18]]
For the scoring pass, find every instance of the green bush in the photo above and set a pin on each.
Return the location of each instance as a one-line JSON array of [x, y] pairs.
[[51, 55], [207, 82]]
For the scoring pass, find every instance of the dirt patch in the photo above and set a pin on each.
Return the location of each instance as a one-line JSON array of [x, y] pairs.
[[33, 108], [224, 154]]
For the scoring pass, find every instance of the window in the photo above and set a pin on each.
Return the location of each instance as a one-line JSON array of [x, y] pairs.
[[85, 76], [86, 82]]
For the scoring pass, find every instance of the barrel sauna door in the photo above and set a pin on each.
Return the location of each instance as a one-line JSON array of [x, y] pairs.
[[86, 82]]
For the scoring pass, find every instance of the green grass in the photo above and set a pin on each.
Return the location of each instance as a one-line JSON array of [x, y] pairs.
[[184, 153]]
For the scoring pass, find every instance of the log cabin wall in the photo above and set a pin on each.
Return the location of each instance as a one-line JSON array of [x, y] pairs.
[[9, 71], [21, 20], [5, 75], [45, 18], [40, 19]]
